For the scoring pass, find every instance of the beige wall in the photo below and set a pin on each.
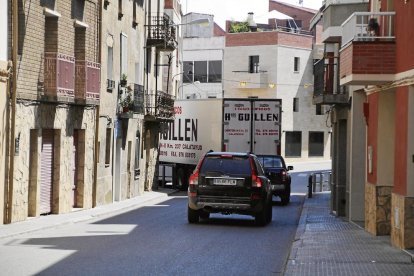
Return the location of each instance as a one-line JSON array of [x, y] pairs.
[[125, 186]]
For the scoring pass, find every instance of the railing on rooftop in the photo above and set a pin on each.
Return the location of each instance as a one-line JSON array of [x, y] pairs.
[[368, 26], [334, 2]]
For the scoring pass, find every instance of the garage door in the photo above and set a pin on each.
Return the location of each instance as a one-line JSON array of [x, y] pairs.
[[46, 176]]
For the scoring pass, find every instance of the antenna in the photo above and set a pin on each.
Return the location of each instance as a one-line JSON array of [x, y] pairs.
[[301, 2]]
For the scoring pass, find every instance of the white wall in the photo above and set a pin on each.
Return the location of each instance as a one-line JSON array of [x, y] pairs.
[[278, 61]]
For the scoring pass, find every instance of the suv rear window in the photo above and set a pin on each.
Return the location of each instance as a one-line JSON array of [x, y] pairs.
[[233, 165], [271, 162]]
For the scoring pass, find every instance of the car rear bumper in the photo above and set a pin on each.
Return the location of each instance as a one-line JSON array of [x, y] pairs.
[[214, 204]]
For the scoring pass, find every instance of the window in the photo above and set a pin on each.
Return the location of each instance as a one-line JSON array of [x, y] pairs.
[[140, 3], [137, 157], [293, 143], [108, 147], [296, 65], [188, 72], [253, 64], [134, 15], [124, 54], [200, 71], [214, 71], [120, 14], [295, 104], [319, 110], [109, 69], [316, 143]]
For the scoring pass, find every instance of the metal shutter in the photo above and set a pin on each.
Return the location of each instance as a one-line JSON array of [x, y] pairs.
[[46, 175]]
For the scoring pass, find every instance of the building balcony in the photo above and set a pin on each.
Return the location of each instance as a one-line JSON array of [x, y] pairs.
[[326, 83], [335, 12], [87, 87], [159, 106], [367, 54], [138, 98], [162, 33], [59, 77], [247, 80]]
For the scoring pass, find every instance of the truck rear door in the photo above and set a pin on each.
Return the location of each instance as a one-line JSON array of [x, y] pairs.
[[266, 127], [237, 125]]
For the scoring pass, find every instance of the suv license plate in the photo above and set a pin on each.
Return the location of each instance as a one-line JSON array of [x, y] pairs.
[[221, 181]]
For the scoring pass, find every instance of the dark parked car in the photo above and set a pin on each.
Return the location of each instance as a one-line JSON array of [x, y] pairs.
[[225, 182], [276, 170]]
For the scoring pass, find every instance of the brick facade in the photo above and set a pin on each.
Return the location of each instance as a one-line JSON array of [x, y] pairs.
[[367, 58], [50, 44]]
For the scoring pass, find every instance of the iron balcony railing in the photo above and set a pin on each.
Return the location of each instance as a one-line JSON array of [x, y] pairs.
[[162, 33], [160, 105], [368, 26], [138, 98], [327, 89]]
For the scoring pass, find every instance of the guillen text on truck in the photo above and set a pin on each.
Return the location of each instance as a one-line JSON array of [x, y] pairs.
[[237, 125]]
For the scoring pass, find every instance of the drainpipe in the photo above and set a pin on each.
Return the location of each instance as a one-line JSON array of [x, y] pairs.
[[12, 116], [96, 153]]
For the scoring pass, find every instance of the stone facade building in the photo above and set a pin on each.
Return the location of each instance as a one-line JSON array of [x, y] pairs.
[[54, 113], [88, 98], [4, 98]]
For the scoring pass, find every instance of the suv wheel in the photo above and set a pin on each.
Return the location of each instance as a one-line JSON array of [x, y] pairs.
[[204, 214], [285, 198], [193, 215], [265, 215]]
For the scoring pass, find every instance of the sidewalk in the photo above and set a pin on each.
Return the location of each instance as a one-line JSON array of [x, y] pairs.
[[50, 221], [328, 245]]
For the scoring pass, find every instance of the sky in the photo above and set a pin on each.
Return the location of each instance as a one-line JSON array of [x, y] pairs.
[[225, 9]]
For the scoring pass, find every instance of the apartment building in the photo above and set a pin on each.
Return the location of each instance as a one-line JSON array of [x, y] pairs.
[[376, 71], [203, 51], [87, 103], [121, 112], [275, 61], [56, 92]]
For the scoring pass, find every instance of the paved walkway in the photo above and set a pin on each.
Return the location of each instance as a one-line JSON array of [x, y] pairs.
[[50, 221], [328, 245]]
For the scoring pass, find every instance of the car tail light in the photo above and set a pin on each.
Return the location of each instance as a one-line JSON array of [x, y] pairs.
[[284, 175], [256, 181], [193, 180]]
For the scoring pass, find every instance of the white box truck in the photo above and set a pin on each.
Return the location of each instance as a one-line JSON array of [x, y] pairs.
[[236, 125]]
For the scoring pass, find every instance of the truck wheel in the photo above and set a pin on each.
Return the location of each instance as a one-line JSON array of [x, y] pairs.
[[193, 215], [182, 181]]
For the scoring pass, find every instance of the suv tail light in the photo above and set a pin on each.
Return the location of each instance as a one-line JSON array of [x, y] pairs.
[[284, 174], [256, 181], [193, 182]]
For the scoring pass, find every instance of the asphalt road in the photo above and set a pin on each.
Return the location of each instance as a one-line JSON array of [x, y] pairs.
[[157, 240]]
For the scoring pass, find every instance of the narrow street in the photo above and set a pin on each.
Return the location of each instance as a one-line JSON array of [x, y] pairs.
[[157, 240]]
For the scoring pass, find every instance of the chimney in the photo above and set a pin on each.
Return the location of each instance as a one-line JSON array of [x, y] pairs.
[[250, 21]]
